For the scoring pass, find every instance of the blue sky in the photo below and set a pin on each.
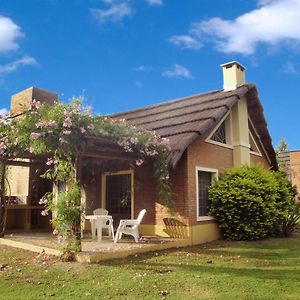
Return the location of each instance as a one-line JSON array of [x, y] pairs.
[[122, 54]]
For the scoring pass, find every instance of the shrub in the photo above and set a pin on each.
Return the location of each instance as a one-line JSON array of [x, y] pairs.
[[250, 203]]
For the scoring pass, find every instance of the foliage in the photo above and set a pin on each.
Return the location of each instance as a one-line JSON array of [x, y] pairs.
[[282, 146], [250, 202], [61, 132]]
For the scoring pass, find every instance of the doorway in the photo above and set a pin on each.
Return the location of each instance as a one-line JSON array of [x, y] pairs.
[[117, 195]]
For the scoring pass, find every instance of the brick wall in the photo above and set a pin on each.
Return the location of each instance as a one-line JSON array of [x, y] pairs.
[[23, 99], [204, 155], [295, 169]]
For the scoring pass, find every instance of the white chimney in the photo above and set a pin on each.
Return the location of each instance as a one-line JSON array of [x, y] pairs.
[[233, 75]]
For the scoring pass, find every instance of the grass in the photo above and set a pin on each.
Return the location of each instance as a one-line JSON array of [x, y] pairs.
[[268, 269]]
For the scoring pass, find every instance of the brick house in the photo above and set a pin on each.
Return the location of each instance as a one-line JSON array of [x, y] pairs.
[[291, 164], [208, 133]]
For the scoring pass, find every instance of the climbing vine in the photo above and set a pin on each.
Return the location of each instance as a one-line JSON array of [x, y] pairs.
[[60, 132]]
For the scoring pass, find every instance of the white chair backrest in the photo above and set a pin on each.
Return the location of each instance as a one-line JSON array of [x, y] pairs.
[[100, 212], [140, 216]]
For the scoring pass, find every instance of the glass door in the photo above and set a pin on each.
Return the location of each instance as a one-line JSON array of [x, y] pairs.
[[119, 196]]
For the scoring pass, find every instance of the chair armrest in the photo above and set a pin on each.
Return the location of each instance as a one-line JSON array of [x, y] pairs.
[[128, 222]]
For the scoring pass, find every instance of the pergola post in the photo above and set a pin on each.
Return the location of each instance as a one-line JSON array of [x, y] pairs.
[[3, 211]]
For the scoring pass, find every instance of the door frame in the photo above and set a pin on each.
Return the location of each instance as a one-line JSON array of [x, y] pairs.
[[103, 187]]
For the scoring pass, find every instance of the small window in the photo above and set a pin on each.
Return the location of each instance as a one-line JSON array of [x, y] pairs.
[[204, 182], [220, 134], [205, 179]]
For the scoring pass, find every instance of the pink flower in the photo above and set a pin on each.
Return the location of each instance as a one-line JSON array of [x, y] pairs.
[[61, 239], [67, 122], [36, 104], [134, 140], [35, 135], [165, 141], [44, 213], [66, 132], [139, 162], [42, 201], [152, 153], [49, 162], [55, 232], [45, 123], [82, 130], [2, 148], [67, 113]]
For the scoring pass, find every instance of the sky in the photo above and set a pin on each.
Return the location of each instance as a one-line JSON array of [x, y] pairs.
[[124, 54]]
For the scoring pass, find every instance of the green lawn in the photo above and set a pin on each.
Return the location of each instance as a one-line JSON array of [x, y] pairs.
[[268, 269]]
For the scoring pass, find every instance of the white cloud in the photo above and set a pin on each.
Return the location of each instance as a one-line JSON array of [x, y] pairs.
[[155, 2], [9, 33], [116, 11], [178, 71], [137, 84], [3, 111], [13, 66], [273, 23], [289, 68], [143, 68], [185, 42]]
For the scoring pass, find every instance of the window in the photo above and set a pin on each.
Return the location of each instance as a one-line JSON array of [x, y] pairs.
[[204, 179], [220, 134]]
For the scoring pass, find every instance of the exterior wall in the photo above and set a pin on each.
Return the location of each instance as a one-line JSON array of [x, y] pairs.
[[259, 160], [240, 129], [146, 196], [205, 155], [18, 182], [295, 169], [23, 99]]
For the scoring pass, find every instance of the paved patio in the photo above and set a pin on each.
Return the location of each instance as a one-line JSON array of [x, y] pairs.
[[92, 250]]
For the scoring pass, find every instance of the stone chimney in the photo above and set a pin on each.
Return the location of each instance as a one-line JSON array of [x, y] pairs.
[[233, 75], [23, 100]]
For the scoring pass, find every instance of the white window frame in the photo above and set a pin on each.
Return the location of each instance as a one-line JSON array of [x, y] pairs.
[[215, 174], [228, 129]]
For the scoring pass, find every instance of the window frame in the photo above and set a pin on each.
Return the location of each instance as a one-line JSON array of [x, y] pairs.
[[215, 174], [228, 132], [103, 187]]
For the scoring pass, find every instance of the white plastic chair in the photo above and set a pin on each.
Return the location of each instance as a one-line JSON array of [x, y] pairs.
[[130, 227], [108, 224]]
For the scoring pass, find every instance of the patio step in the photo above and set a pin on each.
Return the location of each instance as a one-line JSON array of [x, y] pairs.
[[84, 257], [30, 247]]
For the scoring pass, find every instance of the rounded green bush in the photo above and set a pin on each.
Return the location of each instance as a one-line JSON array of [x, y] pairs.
[[249, 202]]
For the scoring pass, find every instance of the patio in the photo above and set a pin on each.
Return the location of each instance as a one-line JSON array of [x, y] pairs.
[[92, 250]]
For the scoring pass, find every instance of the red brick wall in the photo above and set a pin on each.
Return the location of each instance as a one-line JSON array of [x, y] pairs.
[[295, 169], [205, 155], [146, 195], [259, 160]]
